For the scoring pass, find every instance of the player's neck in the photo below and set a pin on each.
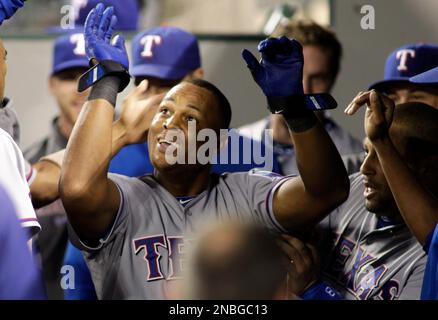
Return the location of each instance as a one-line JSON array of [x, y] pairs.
[[184, 183], [64, 126]]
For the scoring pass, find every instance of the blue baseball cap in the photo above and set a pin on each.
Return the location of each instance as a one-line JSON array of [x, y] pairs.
[[406, 62], [167, 53], [69, 52], [428, 77]]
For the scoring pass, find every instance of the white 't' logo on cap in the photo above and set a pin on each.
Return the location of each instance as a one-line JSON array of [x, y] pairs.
[[402, 55], [78, 40], [149, 42]]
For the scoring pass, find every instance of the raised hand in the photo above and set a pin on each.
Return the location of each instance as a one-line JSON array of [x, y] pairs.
[[99, 28], [303, 263], [137, 113], [378, 114], [280, 70], [280, 76]]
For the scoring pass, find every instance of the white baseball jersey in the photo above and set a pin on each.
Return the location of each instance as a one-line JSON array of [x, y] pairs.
[[145, 246], [365, 257], [13, 180]]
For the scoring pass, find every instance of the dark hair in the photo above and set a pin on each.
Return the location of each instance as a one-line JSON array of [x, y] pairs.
[[157, 81], [310, 33], [221, 100], [253, 267]]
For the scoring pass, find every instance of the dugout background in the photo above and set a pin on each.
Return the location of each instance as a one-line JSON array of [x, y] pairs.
[[397, 22]]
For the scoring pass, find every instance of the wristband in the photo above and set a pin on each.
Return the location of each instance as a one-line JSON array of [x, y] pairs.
[[104, 69], [106, 89], [302, 120]]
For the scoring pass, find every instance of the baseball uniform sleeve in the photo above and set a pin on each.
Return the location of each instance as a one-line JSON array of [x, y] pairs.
[[13, 179], [256, 189], [336, 216], [128, 188]]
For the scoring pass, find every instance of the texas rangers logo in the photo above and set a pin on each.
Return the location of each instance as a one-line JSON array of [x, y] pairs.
[[403, 56], [78, 40], [149, 42], [155, 248]]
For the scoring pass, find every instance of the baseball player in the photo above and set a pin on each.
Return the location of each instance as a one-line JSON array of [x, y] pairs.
[[417, 205], [132, 229], [370, 252], [322, 54], [12, 165], [164, 56], [403, 63]]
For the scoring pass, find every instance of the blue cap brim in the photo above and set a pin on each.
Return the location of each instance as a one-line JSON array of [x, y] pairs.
[[382, 83], [159, 71], [428, 77], [79, 63]]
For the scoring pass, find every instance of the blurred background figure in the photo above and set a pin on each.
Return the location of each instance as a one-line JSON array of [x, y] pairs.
[[237, 262]]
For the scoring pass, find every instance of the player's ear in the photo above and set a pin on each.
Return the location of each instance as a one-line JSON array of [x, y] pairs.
[[195, 74], [52, 84]]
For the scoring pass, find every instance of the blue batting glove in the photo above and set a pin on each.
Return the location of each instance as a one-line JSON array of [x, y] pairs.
[[8, 8], [99, 28], [280, 70]]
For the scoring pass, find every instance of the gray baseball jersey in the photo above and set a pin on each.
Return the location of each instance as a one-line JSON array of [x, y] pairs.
[[144, 247], [365, 257]]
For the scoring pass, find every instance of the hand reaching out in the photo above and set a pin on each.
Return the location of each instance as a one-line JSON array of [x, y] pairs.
[[378, 115]]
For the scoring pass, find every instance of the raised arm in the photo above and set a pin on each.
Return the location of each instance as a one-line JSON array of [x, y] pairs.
[[323, 182], [418, 207], [91, 199]]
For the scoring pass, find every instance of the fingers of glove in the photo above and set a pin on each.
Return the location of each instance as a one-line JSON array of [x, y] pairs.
[[119, 42], [109, 32], [100, 8], [105, 22], [251, 61]]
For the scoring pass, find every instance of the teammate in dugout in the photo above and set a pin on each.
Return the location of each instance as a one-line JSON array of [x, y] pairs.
[[369, 251], [132, 228]]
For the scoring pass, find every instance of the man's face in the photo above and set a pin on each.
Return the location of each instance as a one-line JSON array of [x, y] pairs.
[[184, 105], [3, 70], [378, 196], [63, 87], [402, 92], [316, 72]]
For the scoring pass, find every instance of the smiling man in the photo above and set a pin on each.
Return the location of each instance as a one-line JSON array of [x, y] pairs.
[[132, 229]]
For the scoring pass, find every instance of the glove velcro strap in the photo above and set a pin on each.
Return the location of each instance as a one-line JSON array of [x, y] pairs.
[[291, 106], [103, 69]]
